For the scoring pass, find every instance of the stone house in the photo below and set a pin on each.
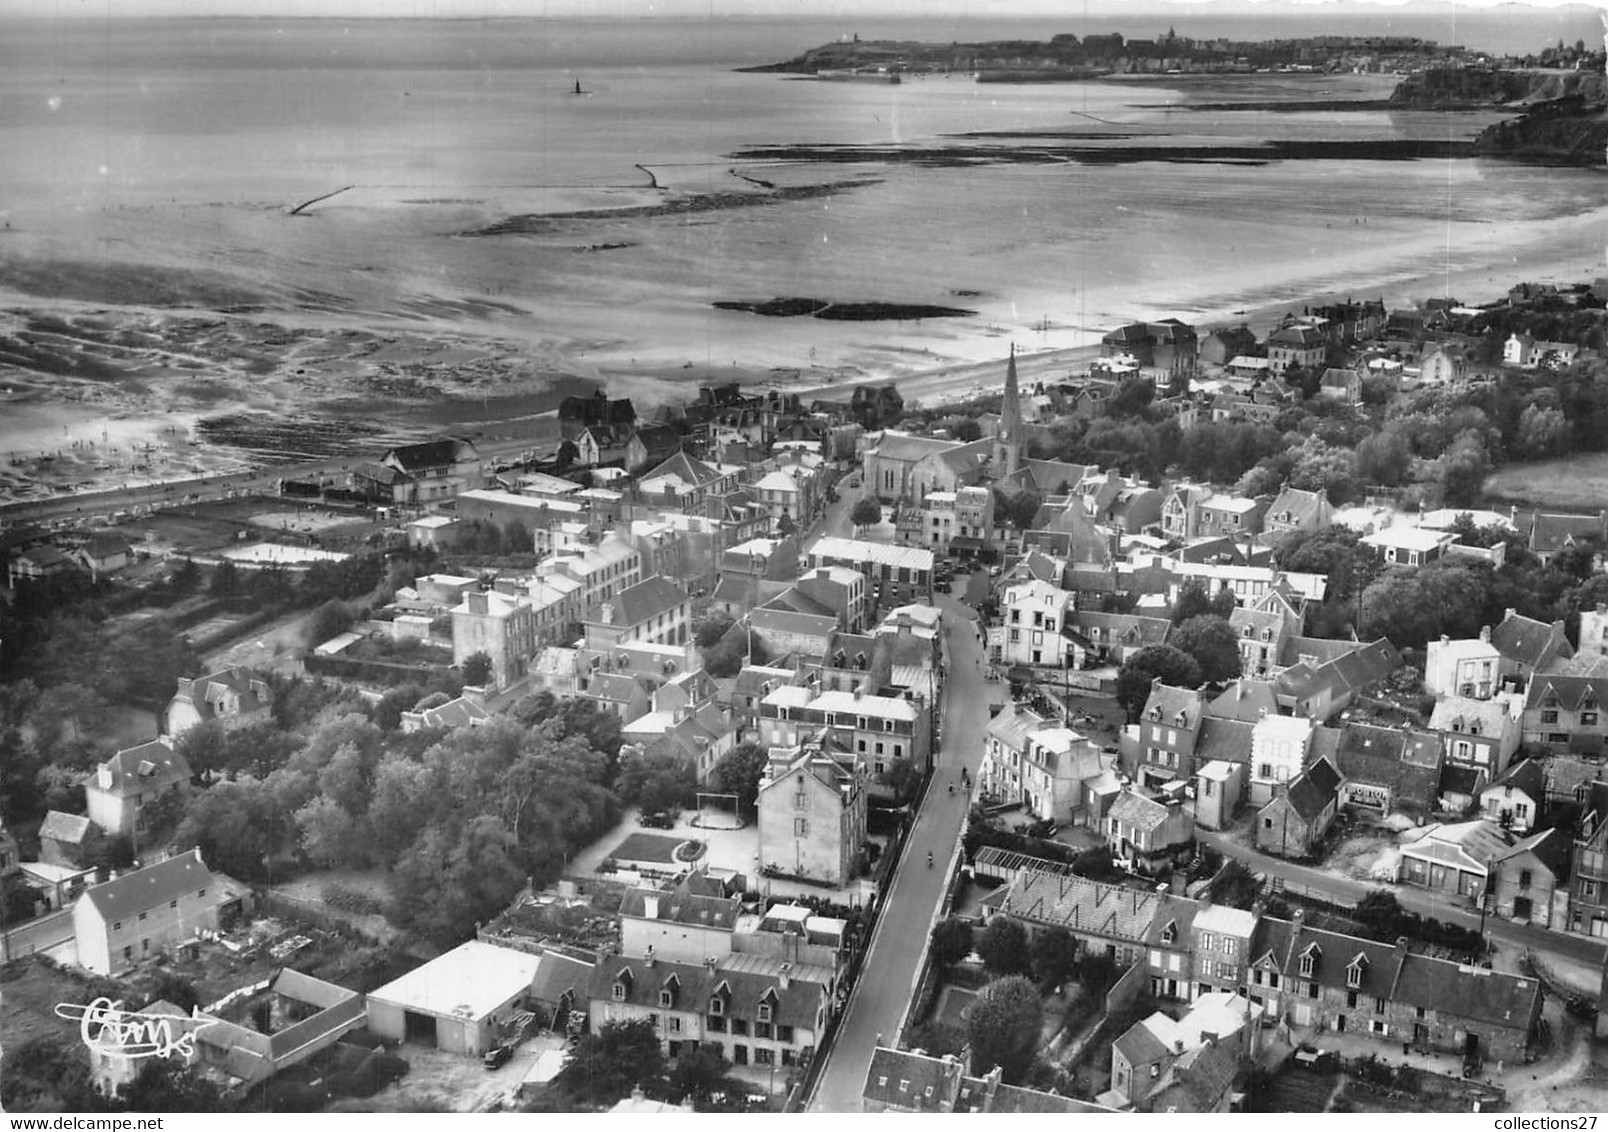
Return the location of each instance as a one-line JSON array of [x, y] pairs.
[[132, 779], [1530, 882], [812, 812], [1295, 819], [233, 697]]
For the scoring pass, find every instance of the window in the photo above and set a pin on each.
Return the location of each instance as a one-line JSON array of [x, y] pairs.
[[666, 998], [1267, 823], [764, 1014], [142, 917], [801, 827], [715, 1024], [1308, 962], [173, 903], [1228, 945], [1379, 1006], [1354, 975], [1351, 1000], [1524, 878], [673, 1024], [619, 992], [1312, 990], [765, 1056], [1208, 942], [1588, 718], [1549, 717], [784, 1034], [739, 1026], [118, 926]]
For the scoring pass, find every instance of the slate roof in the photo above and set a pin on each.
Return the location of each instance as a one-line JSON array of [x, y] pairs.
[[149, 887], [1572, 691], [1468, 716], [153, 765], [684, 467], [1530, 776], [796, 1005], [1349, 673], [1205, 1074], [1488, 996], [1314, 790], [908, 1080], [205, 691], [105, 545], [658, 440], [645, 600], [1223, 740], [1246, 700], [69, 829], [614, 687], [1551, 533], [430, 454], [683, 906], [1530, 642], [1170, 702]]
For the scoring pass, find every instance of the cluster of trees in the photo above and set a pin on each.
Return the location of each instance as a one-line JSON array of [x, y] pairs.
[[461, 820], [605, 1066]]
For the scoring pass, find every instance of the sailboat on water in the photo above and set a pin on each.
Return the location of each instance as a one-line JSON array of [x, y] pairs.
[[578, 89]]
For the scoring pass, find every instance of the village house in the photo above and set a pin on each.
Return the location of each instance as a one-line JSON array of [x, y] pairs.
[[501, 626], [753, 1009], [899, 1080], [879, 729], [1551, 533], [1565, 713], [1296, 510], [1588, 867], [232, 698], [435, 470], [1295, 345], [1409, 546], [1149, 1060], [141, 913], [1221, 346], [1149, 836], [104, 554], [897, 573], [812, 812], [1385, 768], [1530, 882], [132, 779], [1481, 735], [1280, 745], [1034, 614], [1515, 800], [1294, 821], [653, 611], [1168, 728]]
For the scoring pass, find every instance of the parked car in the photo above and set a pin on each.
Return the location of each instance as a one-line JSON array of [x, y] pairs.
[[657, 819], [1582, 1007], [497, 1056]]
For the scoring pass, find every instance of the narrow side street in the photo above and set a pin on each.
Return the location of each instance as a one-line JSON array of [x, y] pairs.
[[1576, 947]]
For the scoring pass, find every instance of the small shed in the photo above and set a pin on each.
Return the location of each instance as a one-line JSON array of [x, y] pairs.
[[457, 1001]]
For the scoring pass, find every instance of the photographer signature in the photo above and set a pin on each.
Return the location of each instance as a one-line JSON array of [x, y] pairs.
[[105, 1025]]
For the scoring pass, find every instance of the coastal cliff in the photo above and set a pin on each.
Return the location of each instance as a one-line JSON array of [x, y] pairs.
[[1565, 118]]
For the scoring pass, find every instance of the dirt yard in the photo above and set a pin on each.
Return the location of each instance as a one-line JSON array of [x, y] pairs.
[[28, 1003], [452, 1082]]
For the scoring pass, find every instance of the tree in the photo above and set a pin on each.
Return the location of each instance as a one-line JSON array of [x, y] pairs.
[[706, 634], [1384, 458], [1004, 948], [165, 1085], [1054, 953], [697, 1072], [865, 512], [1003, 1027], [951, 941], [966, 430], [1542, 433], [225, 579], [44, 1074], [329, 620], [1194, 601], [656, 781], [739, 771], [453, 879], [605, 1066], [1132, 398], [1213, 644], [477, 669], [1153, 662], [903, 777], [568, 453]]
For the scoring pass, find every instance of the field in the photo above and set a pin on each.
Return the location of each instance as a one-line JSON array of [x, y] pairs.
[[1573, 483]]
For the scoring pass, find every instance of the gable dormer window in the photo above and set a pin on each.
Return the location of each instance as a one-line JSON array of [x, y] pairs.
[[1155, 712], [717, 1005], [1169, 934], [1354, 972], [1179, 720], [619, 992], [764, 1012], [1309, 961], [667, 998]]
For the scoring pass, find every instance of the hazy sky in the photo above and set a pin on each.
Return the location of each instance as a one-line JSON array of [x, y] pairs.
[[707, 8]]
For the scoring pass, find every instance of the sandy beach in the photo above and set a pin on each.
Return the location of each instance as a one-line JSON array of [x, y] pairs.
[[496, 242]]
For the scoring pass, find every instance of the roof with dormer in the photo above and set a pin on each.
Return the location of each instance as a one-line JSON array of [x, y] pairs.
[[138, 770]]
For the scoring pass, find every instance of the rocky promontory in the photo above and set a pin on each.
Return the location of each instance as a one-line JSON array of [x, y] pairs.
[[1564, 119]]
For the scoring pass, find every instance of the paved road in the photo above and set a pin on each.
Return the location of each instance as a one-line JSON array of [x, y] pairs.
[[886, 981], [1540, 940]]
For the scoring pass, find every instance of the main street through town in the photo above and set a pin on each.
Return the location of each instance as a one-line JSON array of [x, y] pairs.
[[887, 980]]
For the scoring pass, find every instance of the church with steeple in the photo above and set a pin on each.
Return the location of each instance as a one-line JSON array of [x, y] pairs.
[[1008, 435]]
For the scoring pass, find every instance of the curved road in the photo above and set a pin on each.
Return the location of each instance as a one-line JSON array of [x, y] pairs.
[[887, 980]]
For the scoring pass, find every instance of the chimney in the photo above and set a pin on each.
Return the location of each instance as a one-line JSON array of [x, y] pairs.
[[650, 907], [103, 776], [1296, 917], [649, 958], [1204, 902], [1402, 945], [1510, 614], [477, 603], [709, 963], [784, 977], [1178, 1045]]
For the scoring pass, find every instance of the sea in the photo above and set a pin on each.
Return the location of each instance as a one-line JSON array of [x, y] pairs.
[[184, 143]]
